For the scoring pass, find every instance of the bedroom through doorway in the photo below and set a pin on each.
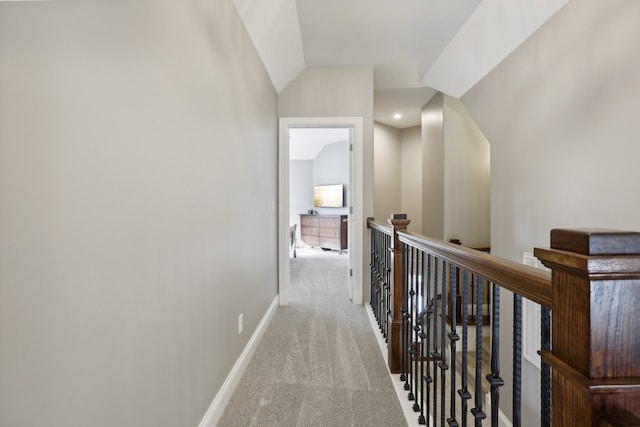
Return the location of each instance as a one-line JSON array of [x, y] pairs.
[[318, 201]]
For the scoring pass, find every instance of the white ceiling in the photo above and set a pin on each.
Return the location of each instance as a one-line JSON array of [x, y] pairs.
[[415, 47], [407, 102], [306, 143], [405, 34]]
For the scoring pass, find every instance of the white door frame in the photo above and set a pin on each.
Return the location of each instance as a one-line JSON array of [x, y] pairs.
[[356, 189]]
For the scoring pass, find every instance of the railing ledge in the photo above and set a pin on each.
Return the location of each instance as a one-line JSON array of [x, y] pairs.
[[530, 282], [386, 229]]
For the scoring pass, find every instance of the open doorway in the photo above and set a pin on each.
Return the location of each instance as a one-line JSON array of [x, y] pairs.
[[351, 207], [318, 209]]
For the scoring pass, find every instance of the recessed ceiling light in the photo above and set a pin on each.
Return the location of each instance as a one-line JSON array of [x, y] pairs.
[[397, 116]]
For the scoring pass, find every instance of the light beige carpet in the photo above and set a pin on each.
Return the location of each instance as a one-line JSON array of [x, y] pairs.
[[318, 363]]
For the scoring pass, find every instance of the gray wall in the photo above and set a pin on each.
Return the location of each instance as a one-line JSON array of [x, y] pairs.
[[561, 114], [331, 166], [433, 167], [411, 176], [300, 190], [398, 174], [466, 178], [387, 172], [138, 166]]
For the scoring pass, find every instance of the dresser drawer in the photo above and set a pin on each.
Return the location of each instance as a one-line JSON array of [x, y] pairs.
[[308, 221], [328, 232], [330, 242], [311, 240], [329, 222], [309, 231]]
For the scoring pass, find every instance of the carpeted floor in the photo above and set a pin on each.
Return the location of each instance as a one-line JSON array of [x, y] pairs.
[[318, 363]]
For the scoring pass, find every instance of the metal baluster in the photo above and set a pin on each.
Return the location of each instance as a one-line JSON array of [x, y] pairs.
[[387, 289], [477, 411], [443, 333], [424, 303], [411, 316], [404, 376], [372, 266], [494, 377], [453, 337], [419, 314], [378, 274], [474, 316], [517, 361], [464, 391], [428, 379], [416, 332], [488, 308], [380, 278], [435, 355], [545, 375], [382, 267]]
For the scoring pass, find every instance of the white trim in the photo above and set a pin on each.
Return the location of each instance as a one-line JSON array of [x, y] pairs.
[[216, 408], [503, 421], [410, 416], [283, 213], [532, 318], [531, 331], [356, 219]]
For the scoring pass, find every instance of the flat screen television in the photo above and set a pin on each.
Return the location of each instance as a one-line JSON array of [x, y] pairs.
[[328, 196]]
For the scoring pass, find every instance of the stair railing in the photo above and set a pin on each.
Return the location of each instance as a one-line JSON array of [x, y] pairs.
[[590, 373]]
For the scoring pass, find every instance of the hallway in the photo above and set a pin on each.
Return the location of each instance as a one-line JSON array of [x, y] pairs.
[[318, 363]]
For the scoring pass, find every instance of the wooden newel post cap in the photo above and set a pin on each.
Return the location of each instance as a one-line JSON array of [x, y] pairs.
[[594, 253], [399, 221], [596, 241]]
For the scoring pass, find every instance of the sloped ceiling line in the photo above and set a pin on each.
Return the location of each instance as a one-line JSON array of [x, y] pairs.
[[437, 44]]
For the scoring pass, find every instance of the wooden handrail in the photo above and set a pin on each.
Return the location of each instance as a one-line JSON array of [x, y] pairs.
[[530, 282], [380, 227], [594, 295]]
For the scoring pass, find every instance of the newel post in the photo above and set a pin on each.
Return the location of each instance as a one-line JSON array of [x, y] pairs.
[[595, 350], [399, 222]]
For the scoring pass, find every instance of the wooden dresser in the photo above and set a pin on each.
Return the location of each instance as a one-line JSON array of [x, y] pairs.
[[325, 231]]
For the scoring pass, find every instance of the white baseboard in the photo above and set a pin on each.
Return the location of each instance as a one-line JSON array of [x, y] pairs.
[[407, 406], [503, 421], [216, 408]]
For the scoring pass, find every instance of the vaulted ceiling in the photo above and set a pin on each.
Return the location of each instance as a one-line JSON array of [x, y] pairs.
[[415, 47]]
